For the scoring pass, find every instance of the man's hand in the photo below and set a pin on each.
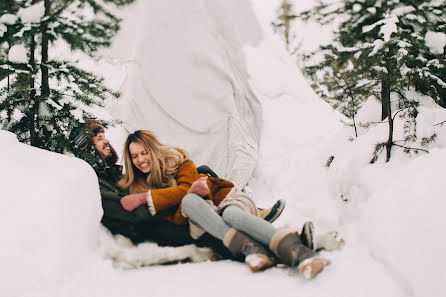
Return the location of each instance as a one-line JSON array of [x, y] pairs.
[[200, 187], [132, 201]]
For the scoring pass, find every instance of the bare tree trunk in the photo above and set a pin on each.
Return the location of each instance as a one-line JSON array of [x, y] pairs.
[[354, 125], [8, 74], [352, 97], [389, 143], [387, 113], [385, 98], [45, 88], [32, 94], [286, 22]]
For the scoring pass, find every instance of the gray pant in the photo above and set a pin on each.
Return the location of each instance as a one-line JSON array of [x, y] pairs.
[[201, 214]]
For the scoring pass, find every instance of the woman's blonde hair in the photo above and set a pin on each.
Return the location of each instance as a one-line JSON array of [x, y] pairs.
[[164, 159]]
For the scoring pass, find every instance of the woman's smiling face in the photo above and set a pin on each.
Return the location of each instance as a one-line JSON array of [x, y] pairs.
[[140, 157]]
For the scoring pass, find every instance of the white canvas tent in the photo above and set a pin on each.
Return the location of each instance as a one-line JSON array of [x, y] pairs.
[[186, 80]]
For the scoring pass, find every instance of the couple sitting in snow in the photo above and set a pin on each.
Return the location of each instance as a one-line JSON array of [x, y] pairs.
[[162, 197]]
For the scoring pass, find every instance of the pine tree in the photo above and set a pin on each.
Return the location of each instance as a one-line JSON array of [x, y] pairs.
[[379, 50], [47, 97], [19, 90], [283, 25]]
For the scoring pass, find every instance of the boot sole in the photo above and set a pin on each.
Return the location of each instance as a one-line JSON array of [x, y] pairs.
[[259, 262], [307, 235], [310, 268], [276, 211]]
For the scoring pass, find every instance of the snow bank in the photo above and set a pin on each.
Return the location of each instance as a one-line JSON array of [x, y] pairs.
[[394, 211], [391, 214], [403, 220], [50, 217]]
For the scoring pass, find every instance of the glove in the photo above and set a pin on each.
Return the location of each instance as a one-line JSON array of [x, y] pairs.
[[200, 187], [132, 201]]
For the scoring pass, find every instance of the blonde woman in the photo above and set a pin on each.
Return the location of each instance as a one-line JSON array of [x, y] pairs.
[[164, 177]]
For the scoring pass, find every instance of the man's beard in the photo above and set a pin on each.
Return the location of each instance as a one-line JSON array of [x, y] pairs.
[[111, 158]]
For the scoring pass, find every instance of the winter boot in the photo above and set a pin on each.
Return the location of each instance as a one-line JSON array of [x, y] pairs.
[[271, 214], [289, 249], [256, 256], [307, 235]]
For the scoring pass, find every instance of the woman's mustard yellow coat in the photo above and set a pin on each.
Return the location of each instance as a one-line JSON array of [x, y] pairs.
[[170, 198]]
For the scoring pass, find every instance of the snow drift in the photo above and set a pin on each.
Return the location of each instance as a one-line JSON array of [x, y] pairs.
[[50, 219], [186, 80]]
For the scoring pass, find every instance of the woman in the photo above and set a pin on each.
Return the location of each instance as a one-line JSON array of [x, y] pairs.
[[163, 177]]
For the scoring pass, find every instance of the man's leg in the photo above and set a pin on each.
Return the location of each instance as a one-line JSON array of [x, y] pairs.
[[268, 214], [168, 234], [238, 243], [163, 233]]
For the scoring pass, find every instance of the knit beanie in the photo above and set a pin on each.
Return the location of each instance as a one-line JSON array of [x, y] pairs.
[[81, 136], [82, 140]]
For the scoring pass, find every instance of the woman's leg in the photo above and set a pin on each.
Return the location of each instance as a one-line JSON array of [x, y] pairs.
[[238, 243], [200, 213], [255, 227], [286, 245]]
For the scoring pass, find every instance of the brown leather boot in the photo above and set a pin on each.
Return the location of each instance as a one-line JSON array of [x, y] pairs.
[[289, 249], [256, 256]]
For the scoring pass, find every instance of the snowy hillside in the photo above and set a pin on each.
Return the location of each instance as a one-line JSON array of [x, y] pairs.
[[184, 77], [391, 215]]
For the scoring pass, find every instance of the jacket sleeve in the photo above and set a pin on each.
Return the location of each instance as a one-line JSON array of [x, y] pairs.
[[162, 199], [113, 209]]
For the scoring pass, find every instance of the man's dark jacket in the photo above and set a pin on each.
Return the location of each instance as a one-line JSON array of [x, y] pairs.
[[139, 225]]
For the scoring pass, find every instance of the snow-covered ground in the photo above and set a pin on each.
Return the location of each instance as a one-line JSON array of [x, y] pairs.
[[391, 215]]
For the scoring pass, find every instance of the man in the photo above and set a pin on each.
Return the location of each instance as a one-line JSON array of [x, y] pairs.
[[139, 225]]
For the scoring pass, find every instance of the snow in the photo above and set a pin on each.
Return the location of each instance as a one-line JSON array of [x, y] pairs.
[[387, 27], [403, 220], [357, 7], [185, 79], [33, 13], [436, 41], [17, 54], [8, 19], [3, 29], [52, 209], [391, 215], [403, 10]]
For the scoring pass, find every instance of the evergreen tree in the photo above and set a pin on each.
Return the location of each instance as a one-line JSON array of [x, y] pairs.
[[283, 24], [8, 28], [380, 50], [47, 97], [20, 71]]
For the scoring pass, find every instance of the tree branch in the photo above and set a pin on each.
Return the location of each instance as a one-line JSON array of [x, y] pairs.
[[411, 148], [400, 110], [440, 124]]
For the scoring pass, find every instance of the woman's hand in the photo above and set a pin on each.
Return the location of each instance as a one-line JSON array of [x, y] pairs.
[[200, 187], [132, 201]]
